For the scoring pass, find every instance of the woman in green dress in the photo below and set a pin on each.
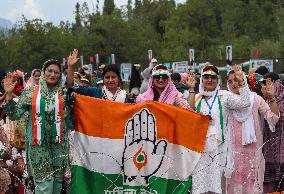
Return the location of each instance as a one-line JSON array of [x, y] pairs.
[[48, 124]]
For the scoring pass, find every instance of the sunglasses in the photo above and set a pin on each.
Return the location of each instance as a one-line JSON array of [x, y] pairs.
[[158, 77], [207, 77]]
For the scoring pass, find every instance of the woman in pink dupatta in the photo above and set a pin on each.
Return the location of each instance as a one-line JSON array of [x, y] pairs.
[[247, 138], [162, 89]]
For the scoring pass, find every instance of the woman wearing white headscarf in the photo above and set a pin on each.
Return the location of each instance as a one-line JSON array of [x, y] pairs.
[[34, 79], [216, 103], [247, 139]]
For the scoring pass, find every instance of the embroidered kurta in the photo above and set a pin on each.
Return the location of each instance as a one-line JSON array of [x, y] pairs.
[[248, 159], [273, 148], [208, 172], [48, 159]]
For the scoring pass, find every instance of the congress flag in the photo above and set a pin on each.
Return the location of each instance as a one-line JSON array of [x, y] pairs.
[[148, 147]]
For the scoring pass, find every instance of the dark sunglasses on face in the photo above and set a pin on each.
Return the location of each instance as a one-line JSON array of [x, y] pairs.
[[157, 77], [213, 77]]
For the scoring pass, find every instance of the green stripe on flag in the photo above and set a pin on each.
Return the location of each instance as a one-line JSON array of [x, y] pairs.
[[88, 182]]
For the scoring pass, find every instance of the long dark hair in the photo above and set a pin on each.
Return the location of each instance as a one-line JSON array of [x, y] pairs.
[[49, 62], [114, 69]]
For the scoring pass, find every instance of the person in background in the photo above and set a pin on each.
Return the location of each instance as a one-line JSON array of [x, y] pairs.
[[2, 91], [273, 148], [85, 82], [64, 73], [5, 154], [262, 70], [182, 88], [135, 80], [34, 79], [77, 79], [101, 68], [146, 74], [100, 83], [18, 79], [94, 76]]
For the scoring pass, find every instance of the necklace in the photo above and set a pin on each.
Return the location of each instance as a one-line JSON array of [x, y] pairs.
[[211, 106]]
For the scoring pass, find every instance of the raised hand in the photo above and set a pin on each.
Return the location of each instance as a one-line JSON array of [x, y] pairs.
[[268, 89], [190, 82], [239, 74], [9, 85], [143, 154], [73, 58]]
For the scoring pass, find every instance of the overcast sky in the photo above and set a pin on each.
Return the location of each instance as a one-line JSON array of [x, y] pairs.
[[48, 10]]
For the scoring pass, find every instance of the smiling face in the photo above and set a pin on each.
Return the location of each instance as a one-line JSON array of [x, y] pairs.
[[52, 75], [233, 84], [209, 82], [36, 76], [111, 80], [160, 81]]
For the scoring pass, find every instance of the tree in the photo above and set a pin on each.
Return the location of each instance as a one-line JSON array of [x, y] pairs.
[[108, 7], [78, 22]]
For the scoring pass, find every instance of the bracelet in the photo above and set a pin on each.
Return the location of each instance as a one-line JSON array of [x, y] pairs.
[[191, 92]]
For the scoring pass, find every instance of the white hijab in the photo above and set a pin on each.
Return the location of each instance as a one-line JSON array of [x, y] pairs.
[[245, 116], [214, 129]]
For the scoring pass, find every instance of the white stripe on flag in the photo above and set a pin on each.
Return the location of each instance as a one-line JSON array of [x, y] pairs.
[[38, 125], [104, 155], [57, 123]]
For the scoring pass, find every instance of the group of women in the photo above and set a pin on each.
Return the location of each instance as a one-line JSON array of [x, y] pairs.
[[234, 140]]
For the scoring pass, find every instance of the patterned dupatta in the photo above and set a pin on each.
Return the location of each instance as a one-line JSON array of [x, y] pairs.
[[43, 98]]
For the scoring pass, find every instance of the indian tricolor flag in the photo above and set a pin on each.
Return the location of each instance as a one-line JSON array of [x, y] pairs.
[[149, 147]]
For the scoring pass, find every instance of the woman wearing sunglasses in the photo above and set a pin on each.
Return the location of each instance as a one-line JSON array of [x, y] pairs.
[[162, 89], [247, 139], [216, 103]]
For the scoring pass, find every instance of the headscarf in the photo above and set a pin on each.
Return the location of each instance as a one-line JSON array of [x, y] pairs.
[[245, 116], [18, 89], [215, 132], [31, 81], [49, 92], [168, 96], [201, 87], [53, 103]]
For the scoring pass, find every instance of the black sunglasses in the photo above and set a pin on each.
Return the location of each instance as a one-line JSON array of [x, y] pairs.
[[157, 77]]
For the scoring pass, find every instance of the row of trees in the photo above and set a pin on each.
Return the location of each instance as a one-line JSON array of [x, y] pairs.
[[162, 25]]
